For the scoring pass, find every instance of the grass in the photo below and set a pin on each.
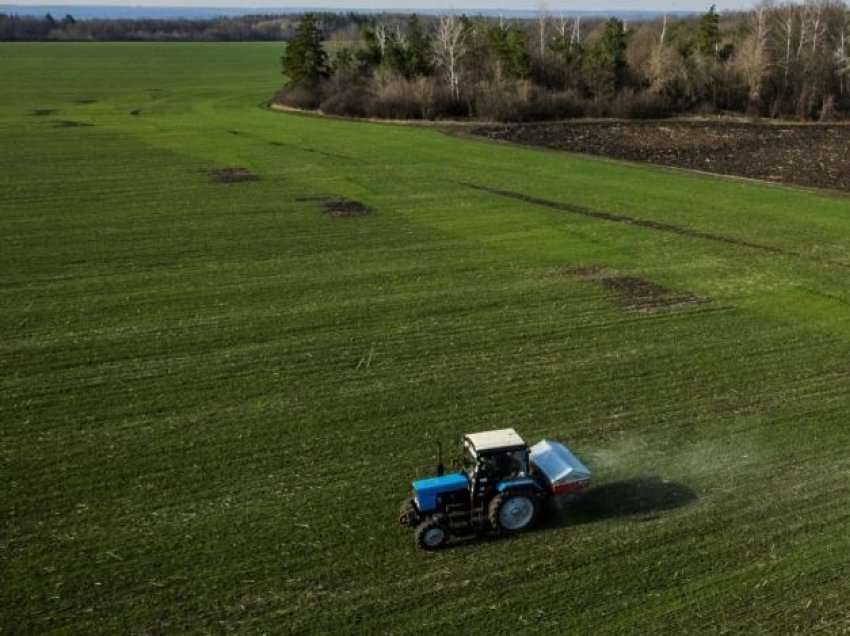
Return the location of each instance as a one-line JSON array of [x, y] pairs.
[[214, 395]]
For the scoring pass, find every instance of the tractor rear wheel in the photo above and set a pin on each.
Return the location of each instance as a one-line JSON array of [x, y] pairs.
[[431, 534], [514, 511]]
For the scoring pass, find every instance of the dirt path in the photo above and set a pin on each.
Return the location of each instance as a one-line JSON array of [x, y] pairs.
[[814, 155]]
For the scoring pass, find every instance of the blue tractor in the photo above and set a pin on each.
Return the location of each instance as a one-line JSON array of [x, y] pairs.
[[502, 487]]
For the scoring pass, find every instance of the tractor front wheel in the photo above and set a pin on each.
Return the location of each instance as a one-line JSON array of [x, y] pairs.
[[514, 511], [408, 515], [431, 534]]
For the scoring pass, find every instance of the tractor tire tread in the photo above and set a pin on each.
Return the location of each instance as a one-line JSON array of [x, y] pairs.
[[500, 499], [426, 525]]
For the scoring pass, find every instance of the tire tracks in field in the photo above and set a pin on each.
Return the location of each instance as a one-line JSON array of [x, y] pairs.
[[315, 151], [283, 144], [652, 225], [626, 220]]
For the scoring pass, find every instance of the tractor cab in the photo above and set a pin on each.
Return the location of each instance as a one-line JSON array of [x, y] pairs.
[[492, 458]]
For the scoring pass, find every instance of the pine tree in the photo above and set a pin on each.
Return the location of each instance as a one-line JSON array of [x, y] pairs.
[[369, 55], [708, 34], [605, 66], [419, 47], [305, 62], [511, 48]]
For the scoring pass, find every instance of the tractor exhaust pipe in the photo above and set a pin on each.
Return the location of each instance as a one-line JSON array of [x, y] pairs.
[[440, 468]]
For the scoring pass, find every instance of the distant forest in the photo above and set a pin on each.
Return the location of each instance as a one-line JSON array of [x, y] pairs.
[[224, 29], [788, 60]]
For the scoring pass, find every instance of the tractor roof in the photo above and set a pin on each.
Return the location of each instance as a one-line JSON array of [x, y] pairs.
[[495, 440]]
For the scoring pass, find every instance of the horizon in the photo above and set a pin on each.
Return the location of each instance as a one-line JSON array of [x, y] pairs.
[[405, 6]]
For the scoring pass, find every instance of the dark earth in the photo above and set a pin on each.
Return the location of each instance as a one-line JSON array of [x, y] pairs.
[[633, 293], [339, 206], [812, 155], [232, 175], [67, 123]]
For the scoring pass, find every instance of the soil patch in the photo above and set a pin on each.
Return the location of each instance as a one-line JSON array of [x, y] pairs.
[[339, 206], [42, 112], [813, 155], [634, 293], [85, 101], [67, 123], [643, 295], [232, 175]]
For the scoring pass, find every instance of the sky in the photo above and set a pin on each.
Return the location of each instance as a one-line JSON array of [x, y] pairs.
[[553, 6]]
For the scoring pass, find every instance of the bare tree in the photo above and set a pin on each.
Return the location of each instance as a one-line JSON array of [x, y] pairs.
[[400, 37], [842, 62], [542, 23], [562, 27], [786, 30], [382, 36], [814, 16], [450, 49], [753, 59]]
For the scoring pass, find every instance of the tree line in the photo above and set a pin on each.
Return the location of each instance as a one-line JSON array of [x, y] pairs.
[[788, 60], [242, 28]]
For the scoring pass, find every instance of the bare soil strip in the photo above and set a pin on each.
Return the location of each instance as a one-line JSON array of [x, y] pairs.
[[812, 155], [339, 206], [232, 175], [628, 220], [67, 123]]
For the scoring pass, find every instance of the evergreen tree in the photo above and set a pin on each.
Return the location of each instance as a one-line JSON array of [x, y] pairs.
[[605, 62], [369, 56], [708, 34], [511, 48], [419, 47], [305, 62]]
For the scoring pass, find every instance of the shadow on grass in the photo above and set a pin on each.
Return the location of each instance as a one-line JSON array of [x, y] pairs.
[[638, 499]]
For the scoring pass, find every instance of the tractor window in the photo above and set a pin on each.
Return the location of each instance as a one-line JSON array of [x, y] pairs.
[[517, 463], [505, 465]]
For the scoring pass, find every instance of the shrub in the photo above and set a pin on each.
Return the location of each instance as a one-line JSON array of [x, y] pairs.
[[545, 105], [299, 97], [396, 99], [507, 102], [349, 102], [639, 105]]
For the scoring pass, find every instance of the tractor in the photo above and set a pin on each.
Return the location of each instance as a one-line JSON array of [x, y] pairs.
[[501, 487]]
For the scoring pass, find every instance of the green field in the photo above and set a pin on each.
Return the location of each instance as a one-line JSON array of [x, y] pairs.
[[213, 396]]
